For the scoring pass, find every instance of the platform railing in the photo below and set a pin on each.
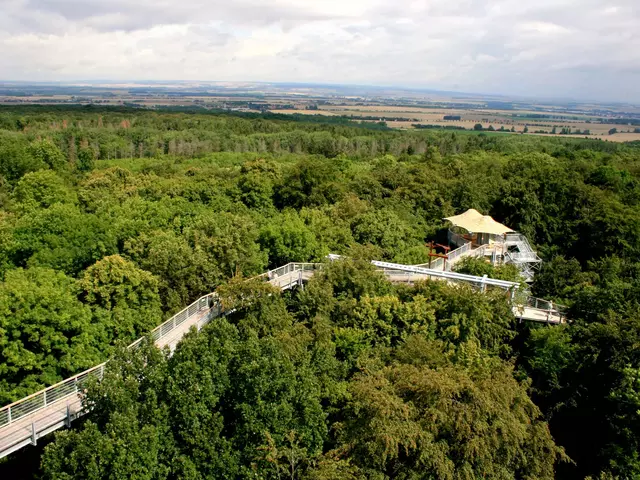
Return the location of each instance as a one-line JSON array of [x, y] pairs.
[[71, 386], [209, 307], [454, 255]]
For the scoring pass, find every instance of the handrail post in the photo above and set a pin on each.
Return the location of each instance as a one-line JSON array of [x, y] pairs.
[[34, 440], [9, 415]]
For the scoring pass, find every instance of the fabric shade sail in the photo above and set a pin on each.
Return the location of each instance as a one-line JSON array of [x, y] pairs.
[[473, 221]]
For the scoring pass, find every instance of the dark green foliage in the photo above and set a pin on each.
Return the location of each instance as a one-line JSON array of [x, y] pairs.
[[368, 391], [480, 267], [112, 219], [86, 159], [15, 157]]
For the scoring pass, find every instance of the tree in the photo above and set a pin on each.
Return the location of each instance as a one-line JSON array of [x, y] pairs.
[[480, 267], [41, 189], [86, 159], [403, 421], [46, 332], [225, 404], [309, 183], [478, 127], [16, 159], [288, 240], [385, 229], [257, 190], [613, 131], [124, 300], [128, 435], [62, 237], [46, 152], [184, 273]]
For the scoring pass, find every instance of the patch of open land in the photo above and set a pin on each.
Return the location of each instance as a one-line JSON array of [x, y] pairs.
[[397, 108]]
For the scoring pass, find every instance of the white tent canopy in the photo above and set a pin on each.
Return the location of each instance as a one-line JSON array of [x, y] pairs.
[[474, 222]]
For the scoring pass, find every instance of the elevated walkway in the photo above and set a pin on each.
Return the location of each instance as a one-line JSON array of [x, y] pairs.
[[511, 249], [24, 422], [480, 235]]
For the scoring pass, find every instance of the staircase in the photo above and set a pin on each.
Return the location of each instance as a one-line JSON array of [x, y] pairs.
[[515, 250], [518, 251]]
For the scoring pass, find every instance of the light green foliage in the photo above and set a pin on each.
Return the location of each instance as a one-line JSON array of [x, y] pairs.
[[137, 441], [124, 300], [228, 241], [402, 423], [15, 157], [332, 233], [7, 242], [288, 239], [184, 272], [385, 229], [256, 183], [111, 187], [62, 237], [551, 354], [45, 331], [359, 387], [46, 152], [41, 189], [207, 412]]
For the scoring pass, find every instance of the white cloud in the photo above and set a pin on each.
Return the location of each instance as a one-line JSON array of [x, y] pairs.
[[574, 48]]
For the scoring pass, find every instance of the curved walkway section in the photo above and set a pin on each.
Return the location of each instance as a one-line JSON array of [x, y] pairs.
[[22, 423]]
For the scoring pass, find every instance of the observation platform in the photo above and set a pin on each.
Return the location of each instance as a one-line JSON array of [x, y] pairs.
[[23, 422]]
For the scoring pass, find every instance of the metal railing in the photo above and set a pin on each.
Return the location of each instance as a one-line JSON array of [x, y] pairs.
[[199, 313], [71, 386], [523, 257], [452, 276], [291, 274], [542, 304], [454, 255]]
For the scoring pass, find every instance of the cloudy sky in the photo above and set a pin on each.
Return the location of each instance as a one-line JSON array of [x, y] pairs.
[[583, 49]]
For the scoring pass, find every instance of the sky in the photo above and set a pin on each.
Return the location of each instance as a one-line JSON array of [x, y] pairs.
[[581, 49]]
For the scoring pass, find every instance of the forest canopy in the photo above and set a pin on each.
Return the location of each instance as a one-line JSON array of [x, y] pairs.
[[111, 220]]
